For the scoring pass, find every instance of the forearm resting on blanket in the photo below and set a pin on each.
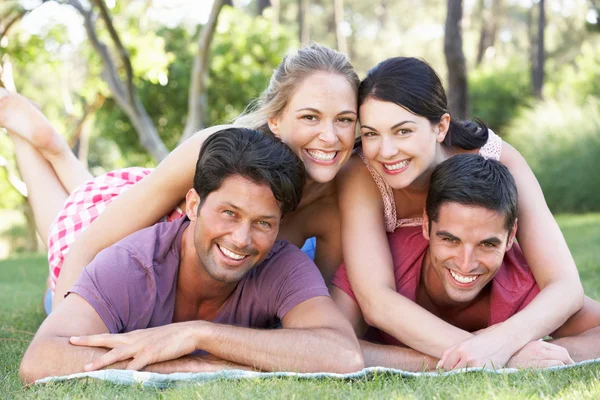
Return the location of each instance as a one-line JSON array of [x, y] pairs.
[[403, 358]]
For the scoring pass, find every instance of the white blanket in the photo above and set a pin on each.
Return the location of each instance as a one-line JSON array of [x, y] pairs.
[[164, 380]]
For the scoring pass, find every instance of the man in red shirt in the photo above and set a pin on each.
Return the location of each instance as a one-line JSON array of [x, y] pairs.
[[463, 266]]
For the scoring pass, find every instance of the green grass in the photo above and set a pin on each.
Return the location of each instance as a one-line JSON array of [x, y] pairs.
[[22, 280]]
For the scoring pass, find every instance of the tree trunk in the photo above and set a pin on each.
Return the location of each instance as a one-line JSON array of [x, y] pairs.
[[303, 24], [197, 101], [538, 59], [338, 11], [32, 242], [261, 5], [123, 90], [276, 7], [455, 60]]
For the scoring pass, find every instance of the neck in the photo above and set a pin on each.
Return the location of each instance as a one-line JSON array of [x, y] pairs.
[[312, 191], [197, 292]]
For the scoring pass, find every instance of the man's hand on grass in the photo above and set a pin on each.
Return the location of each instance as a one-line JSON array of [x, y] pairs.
[[143, 347], [540, 354]]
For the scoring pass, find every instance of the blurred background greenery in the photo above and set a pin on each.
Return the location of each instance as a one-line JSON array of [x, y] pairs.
[[98, 67]]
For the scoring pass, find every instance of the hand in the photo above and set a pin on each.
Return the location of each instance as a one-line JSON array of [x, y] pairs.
[[487, 348], [540, 354], [143, 347]]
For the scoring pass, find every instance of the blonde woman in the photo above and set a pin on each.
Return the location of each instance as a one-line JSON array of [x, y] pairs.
[[310, 104]]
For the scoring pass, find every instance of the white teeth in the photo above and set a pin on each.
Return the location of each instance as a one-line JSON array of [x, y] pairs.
[[462, 278], [231, 254], [322, 155], [394, 167]]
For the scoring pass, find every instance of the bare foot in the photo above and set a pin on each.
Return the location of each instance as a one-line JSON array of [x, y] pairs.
[[19, 116]]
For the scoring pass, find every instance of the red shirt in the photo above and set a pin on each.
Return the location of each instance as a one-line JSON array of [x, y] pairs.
[[511, 290]]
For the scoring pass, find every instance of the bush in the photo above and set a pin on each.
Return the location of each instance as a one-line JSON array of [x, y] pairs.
[[561, 143], [497, 94]]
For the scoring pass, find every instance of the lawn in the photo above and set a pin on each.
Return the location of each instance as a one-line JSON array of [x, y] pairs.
[[22, 280]]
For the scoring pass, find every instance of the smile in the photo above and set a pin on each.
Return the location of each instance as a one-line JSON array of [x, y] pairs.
[[322, 156], [230, 254], [397, 167], [464, 279]]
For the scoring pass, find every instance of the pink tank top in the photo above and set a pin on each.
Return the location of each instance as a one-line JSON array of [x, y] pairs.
[[491, 149]]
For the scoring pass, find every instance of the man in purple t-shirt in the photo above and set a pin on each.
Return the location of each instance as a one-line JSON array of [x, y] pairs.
[[161, 295]]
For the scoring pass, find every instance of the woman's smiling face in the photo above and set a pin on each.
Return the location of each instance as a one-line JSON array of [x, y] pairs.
[[319, 124], [400, 145]]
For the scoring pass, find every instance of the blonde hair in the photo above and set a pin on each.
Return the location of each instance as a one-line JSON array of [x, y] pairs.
[[286, 78]]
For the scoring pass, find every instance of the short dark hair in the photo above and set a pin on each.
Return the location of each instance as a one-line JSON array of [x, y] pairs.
[[412, 84], [471, 180], [261, 158]]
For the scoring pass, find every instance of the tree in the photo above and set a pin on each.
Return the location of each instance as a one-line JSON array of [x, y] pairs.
[[490, 14], [538, 56], [197, 100], [455, 60], [338, 11], [303, 24]]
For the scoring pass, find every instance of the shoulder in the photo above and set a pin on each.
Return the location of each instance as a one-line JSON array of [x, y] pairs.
[[355, 182]]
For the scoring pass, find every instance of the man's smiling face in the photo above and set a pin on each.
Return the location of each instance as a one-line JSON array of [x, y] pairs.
[[235, 228], [466, 250]]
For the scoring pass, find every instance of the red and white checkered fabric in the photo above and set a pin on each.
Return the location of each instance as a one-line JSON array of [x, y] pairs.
[[83, 206]]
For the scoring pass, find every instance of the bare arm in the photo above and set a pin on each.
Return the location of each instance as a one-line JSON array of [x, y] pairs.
[[172, 179], [315, 337], [580, 335], [377, 355], [51, 353], [548, 257], [371, 272]]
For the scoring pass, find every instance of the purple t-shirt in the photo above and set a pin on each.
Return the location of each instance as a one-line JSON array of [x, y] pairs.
[[132, 284]]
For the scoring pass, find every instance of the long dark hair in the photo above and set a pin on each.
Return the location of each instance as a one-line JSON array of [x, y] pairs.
[[412, 84]]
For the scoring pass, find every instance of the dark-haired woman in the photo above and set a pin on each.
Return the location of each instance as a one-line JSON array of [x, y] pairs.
[[406, 131]]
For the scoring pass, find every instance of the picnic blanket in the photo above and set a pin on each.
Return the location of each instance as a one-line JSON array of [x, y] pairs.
[[152, 379]]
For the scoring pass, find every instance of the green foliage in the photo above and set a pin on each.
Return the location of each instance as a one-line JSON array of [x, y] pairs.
[[244, 52], [561, 143], [580, 80], [497, 94]]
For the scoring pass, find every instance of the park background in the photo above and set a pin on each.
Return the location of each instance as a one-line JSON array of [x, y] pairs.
[[125, 81]]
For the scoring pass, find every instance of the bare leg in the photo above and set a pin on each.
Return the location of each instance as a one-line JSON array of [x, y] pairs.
[[20, 117], [45, 193]]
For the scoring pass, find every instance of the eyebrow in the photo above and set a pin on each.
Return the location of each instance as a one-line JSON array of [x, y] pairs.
[[319, 112], [447, 235], [493, 240], [231, 205], [399, 124]]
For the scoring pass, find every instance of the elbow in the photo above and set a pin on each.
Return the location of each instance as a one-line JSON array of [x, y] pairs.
[[351, 360], [373, 310], [35, 364], [576, 296], [29, 370]]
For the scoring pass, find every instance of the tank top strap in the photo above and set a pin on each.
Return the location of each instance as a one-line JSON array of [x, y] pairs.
[[493, 147], [387, 195]]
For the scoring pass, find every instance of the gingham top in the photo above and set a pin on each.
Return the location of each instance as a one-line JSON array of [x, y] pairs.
[[83, 206]]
